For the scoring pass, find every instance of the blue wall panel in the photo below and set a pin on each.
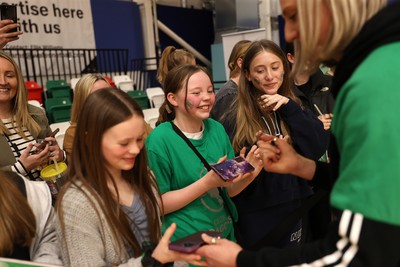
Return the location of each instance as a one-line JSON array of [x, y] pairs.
[[117, 24], [195, 26]]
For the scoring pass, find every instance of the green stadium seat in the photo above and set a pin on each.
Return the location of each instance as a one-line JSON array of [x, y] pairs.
[[58, 109], [61, 114], [140, 97], [58, 89], [55, 83]]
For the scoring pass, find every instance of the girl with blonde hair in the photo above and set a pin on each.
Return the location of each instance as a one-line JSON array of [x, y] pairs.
[[362, 38], [21, 124], [85, 86]]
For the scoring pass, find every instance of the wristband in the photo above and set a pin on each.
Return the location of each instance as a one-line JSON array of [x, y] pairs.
[[148, 260]]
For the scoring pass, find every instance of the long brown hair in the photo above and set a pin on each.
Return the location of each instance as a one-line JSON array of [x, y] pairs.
[[102, 110], [248, 112], [20, 105], [17, 222]]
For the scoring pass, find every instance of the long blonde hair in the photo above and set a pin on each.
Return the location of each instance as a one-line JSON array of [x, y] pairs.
[[20, 105], [348, 17], [81, 92]]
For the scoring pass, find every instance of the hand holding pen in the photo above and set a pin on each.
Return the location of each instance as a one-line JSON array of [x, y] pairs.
[[326, 119], [276, 153]]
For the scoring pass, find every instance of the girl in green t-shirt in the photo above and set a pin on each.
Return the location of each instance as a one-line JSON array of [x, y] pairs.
[[189, 193]]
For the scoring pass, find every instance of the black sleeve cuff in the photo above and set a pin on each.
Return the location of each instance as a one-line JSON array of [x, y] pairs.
[[322, 177], [246, 258]]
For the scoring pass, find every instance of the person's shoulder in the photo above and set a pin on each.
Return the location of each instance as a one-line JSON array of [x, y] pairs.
[[379, 63], [70, 131], [229, 85], [229, 88], [161, 132], [213, 124], [34, 110], [161, 128], [321, 80], [38, 195], [382, 57], [79, 203], [37, 186], [210, 122], [38, 114], [76, 193]]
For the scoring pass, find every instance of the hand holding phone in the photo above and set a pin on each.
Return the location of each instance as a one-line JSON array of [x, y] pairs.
[[232, 168], [44, 143], [9, 12], [190, 243]]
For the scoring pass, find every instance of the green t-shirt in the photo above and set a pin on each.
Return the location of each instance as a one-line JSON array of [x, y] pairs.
[[367, 131], [176, 166]]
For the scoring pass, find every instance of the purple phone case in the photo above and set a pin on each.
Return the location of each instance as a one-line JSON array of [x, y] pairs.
[[190, 243], [231, 168]]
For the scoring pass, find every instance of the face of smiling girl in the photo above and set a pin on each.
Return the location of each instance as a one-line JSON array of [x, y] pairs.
[[200, 97], [8, 82], [266, 72], [122, 143]]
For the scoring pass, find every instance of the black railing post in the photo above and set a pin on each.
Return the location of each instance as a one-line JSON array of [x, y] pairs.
[[26, 64]]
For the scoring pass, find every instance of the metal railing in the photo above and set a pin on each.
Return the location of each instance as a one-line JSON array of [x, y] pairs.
[[41, 65], [143, 72]]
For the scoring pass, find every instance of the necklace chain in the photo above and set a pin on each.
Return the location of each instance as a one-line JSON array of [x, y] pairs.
[[275, 124]]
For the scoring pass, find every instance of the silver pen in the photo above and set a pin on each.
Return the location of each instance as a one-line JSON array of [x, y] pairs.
[[319, 111]]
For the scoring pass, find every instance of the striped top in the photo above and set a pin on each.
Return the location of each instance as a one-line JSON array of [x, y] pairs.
[[18, 145]]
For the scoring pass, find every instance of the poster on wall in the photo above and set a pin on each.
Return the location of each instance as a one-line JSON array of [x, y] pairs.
[[54, 24], [51, 28]]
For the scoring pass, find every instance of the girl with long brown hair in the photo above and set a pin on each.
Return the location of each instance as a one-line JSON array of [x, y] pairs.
[[86, 85], [109, 211], [266, 103]]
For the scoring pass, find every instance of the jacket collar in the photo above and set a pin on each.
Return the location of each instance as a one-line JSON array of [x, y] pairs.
[[383, 28]]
